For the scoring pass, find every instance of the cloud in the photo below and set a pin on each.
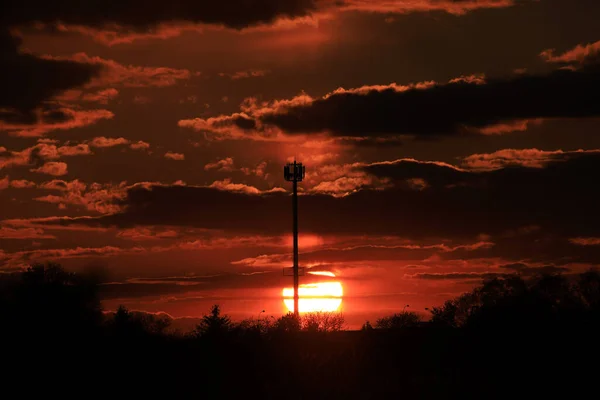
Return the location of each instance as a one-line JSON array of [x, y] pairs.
[[579, 54], [559, 198], [251, 73], [103, 142], [225, 165], [174, 156], [139, 145], [41, 152], [227, 185], [460, 106], [376, 250], [52, 168], [114, 73], [586, 241], [81, 149], [4, 183], [260, 170], [101, 96], [139, 16], [528, 270], [224, 127], [24, 233], [46, 78], [45, 121], [531, 158], [144, 234], [22, 184], [508, 127], [453, 275], [43, 78], [96, 197], [406, 6], [25, 258]]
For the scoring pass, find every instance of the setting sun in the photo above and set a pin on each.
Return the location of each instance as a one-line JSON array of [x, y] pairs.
[[314, 297]]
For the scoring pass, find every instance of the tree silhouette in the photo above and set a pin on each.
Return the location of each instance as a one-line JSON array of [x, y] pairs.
[[213, 324]]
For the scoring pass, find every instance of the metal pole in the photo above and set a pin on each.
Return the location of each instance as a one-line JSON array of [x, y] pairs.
[[295, 208]]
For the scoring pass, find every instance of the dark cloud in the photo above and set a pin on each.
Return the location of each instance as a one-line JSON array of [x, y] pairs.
[[188, 285], [243, 122], [143, 15], [27, 81], [445, 109], [525, 269], [455, 276], [560, 199]]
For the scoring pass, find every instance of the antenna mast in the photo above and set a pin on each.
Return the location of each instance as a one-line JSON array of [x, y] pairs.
[[295, 172]]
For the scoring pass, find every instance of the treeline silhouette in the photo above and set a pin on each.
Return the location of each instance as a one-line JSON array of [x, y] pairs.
[[510, 336]]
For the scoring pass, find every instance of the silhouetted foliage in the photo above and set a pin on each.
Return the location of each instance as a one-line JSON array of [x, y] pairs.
[[47, 297], [505, 336], [214, 324], [128, 323], [404, 319], [322, 322], [514, 303], [288, 323]]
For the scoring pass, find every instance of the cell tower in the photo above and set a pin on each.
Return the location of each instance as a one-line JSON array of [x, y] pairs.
[[294, 172]]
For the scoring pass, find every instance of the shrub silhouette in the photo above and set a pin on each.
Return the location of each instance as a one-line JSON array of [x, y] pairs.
[[288, 323], [322, 322], [404, 319]]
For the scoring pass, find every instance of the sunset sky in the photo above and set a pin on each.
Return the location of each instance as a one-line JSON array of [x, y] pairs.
[[445, 141]]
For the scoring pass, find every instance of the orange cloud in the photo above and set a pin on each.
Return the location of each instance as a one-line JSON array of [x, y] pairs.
[[113, 73], [42, 151], [510, 126], [143, 234], [174, 156], [24, 233], [107, 142], [52, 168], [341, 180], [580, 53], [251, 73], [115, 35], [96, 197], [247, 123], [227, 185], [140, 145], [259, 170], [4, 182], [22, 184], [24, 258], [77, 150], [101, 96], [531, 158], [225, 164], [586, 241]]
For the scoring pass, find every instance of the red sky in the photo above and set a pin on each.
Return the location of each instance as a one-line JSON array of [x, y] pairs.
[[445, 142]]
